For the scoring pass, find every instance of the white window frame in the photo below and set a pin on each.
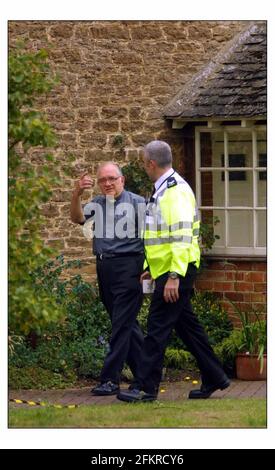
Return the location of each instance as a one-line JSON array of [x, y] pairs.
[[226, 250]]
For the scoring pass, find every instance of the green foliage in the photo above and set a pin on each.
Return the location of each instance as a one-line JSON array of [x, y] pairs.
[[29, 78], [136, 179], [177, 358], [13, 341], [253, 331], [143, 313], [118, 140], [207, 234], [249, 337], [38, 378], [30, 307], [212, 316], [227, 349], [77, 344]]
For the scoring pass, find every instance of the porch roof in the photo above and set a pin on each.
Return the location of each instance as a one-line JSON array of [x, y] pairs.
[[232, 85]]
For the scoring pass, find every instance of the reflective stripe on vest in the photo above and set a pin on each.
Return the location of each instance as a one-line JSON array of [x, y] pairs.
[[162, 241]]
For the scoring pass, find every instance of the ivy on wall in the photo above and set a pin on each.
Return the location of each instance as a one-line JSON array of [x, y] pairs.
[[136, 179]]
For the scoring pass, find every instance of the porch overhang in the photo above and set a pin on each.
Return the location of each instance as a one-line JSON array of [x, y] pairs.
[[180, 123]]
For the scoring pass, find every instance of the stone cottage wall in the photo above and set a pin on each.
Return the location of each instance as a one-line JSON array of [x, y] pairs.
[[115, 78]]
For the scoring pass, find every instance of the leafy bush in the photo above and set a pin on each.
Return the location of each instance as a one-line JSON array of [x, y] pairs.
[[77, 344], [249, 337], [38, 378], [177, 358], [253, 330], [226, 350], [212, 316], [30, 307], [136, 179]]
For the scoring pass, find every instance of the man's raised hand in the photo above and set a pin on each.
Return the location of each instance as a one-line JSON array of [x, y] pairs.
[[85, 182]]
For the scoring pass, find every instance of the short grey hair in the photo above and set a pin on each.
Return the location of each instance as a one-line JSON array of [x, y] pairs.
[[102, 165], [160, 152]]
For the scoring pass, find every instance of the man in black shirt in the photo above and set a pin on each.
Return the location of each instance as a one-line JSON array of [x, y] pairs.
[[120, 258]]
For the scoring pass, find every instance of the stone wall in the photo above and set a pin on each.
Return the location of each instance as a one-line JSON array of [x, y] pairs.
[[115, 78]]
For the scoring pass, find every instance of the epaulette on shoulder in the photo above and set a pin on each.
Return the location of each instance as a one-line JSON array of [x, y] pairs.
[[171, 182]]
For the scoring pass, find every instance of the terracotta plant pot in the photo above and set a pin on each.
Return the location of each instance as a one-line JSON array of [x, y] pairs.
[[248, 367]]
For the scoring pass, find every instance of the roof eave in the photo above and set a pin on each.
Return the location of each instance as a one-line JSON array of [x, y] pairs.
[[215, 117]]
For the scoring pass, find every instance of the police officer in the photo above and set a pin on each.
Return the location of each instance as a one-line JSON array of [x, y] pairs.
[[120, 257], [173, 256]]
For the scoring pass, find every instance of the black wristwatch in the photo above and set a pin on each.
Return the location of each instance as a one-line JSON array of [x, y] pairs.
[[173, 275]]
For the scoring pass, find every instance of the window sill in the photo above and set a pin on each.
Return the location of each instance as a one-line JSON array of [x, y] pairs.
[[213, 257]]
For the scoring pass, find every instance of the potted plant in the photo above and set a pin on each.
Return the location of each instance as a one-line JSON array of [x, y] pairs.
[[251, 357], [247, 344]]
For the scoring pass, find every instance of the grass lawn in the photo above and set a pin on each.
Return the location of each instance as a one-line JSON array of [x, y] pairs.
[[226, 413]]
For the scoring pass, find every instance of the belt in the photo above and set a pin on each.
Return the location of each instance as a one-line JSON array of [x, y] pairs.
[[117, 255]]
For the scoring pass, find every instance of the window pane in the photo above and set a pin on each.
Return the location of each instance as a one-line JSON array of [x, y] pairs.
[[212, 225], [212, 146], [212, 188], [261, 162], [261, 189], [240, 143], [240, 228], [240, 188], [235, 161], [261, 148], [261, 232]]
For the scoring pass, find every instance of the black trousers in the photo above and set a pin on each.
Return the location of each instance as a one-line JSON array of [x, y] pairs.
[[163, 317], [121, 293]]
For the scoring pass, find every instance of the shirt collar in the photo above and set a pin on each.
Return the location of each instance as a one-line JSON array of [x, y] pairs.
[[115, 199], [120, 196], [163, 177]]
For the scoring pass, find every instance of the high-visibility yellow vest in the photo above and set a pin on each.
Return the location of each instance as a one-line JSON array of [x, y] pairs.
[[171, 229]]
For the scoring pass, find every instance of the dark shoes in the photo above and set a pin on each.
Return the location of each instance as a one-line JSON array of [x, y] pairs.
[[205, 392], [135, 395], [107, 388]]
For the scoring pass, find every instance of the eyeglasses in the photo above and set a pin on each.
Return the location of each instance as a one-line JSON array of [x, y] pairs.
[[111, 179]]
